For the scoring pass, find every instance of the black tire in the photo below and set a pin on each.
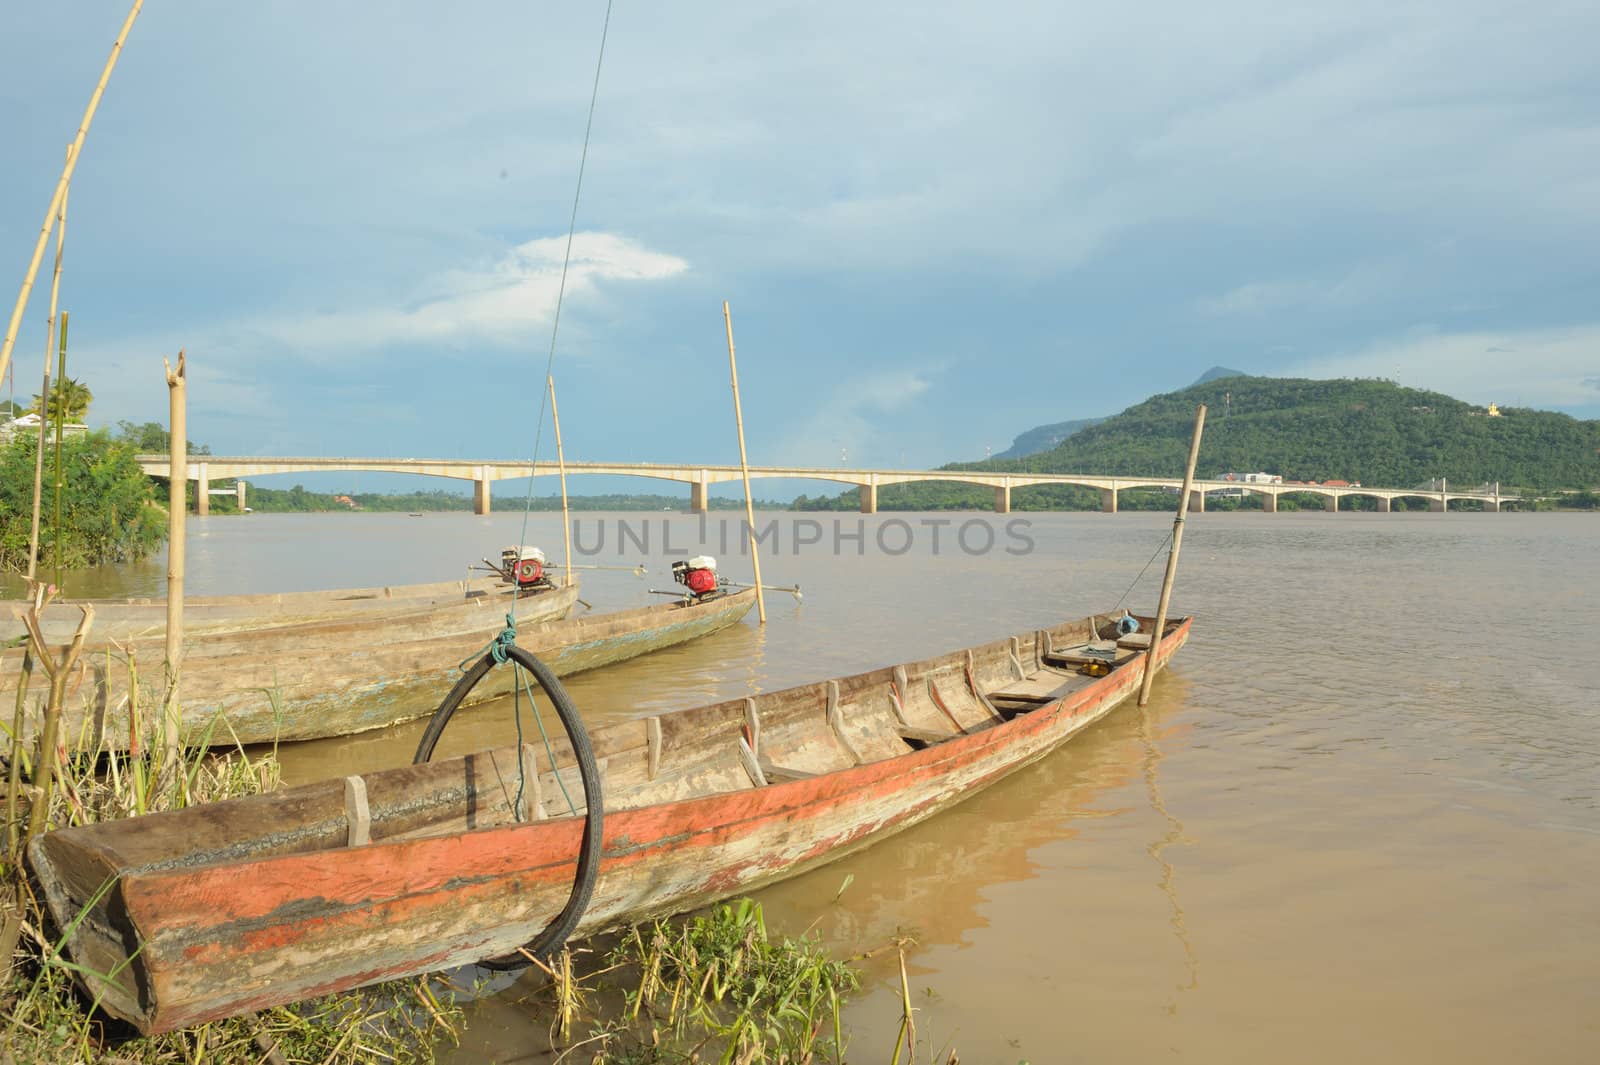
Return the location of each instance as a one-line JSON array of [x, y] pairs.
[[547, 942]]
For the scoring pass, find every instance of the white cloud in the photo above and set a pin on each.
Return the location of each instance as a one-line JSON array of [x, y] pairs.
[[503, 302], [239, 365], [1551, 368]]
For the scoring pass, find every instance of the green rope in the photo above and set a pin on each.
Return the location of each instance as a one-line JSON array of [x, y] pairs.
[[496, 647], [516, 703]]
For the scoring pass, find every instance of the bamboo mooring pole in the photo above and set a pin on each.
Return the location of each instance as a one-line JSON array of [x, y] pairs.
[[44, 392], [1172, 557], [561, 464], [177, 518], [744, 468], [61, 190], [61, 421]]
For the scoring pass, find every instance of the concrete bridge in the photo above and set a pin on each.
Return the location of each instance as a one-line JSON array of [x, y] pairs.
[[205, 468]]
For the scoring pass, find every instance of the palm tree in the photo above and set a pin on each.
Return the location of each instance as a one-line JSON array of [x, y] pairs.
[[73, 396]]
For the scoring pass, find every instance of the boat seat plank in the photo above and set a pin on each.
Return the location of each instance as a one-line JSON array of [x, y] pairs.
[[778, 773], [919, 738], [1077, 656], [1135, 641], [1041, 689]]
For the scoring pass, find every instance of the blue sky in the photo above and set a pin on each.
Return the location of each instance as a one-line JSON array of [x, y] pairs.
[[937, 229]]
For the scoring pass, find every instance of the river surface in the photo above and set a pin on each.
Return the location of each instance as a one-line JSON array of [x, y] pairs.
[[1359, 819]]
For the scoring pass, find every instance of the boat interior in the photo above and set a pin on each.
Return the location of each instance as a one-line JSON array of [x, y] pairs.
[[758, 742]]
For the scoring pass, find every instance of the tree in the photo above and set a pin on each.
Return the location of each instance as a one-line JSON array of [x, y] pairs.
[[108, 512], [152, 438], [73, 396]]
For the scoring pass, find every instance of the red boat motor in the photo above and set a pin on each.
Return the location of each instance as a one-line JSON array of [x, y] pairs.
[[699, 575], [523, 566]]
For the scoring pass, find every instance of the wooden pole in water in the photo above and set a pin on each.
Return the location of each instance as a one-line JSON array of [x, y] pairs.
[[561, 464], [61, 191], [744, 467], [1172, 557], [44, 392], [177, 519]]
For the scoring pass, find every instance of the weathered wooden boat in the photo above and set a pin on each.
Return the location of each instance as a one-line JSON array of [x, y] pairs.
[[133, 618], [335, 678], [178, 918]]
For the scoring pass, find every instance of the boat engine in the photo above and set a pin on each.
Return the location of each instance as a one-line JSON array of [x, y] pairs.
[[698, 575], [523, 567]]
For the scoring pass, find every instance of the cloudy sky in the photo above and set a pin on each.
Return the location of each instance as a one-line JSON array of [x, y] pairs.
[[936, 229]]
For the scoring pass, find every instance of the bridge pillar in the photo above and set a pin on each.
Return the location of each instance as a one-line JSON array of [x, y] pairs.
[[1384, 506], [480, 492], [1269, 502], [700, 495], [1331, 504], [869, 499], [1108, 500], [1491, 506], [202, 489], [1197, 502], [1002, 499], [238, 488], [1438, 506]]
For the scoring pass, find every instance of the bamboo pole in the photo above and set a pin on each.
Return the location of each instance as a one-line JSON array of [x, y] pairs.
[[744, 467], [177, 519], [61, 420], [1172, 557], [61, 190], [561, 461], [44, 392]]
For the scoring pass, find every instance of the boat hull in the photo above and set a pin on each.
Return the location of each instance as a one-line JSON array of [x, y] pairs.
[[144, 618], [699, 806], [312, 682]]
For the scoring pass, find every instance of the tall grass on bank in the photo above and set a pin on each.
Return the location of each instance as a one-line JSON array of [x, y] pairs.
[[716, 987], [44, 1014]]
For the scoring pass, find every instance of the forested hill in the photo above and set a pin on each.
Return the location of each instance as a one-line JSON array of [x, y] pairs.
[[1371, 431]]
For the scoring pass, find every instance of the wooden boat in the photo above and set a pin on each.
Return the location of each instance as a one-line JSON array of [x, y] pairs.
[[334, 678], [178, 918], [132, 618]]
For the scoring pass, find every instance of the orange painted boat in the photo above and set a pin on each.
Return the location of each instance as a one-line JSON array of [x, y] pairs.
[[178, 918]]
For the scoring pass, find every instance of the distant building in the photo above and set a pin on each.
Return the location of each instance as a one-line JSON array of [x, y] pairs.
[[1252, 478], [28, 425]]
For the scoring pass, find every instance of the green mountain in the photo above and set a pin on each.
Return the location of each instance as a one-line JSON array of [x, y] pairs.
[[1371, 431]]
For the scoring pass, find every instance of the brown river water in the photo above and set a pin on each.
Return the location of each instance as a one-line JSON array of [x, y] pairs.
[[1358, 820]]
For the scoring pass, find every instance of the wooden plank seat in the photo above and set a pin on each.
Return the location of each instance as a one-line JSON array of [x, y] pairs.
[[1079, 655], [1039, 690], [776, 773], [1135, 641], [918, 738]]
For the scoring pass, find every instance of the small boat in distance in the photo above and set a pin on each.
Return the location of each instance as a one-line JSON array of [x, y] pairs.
[[174, 919]]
